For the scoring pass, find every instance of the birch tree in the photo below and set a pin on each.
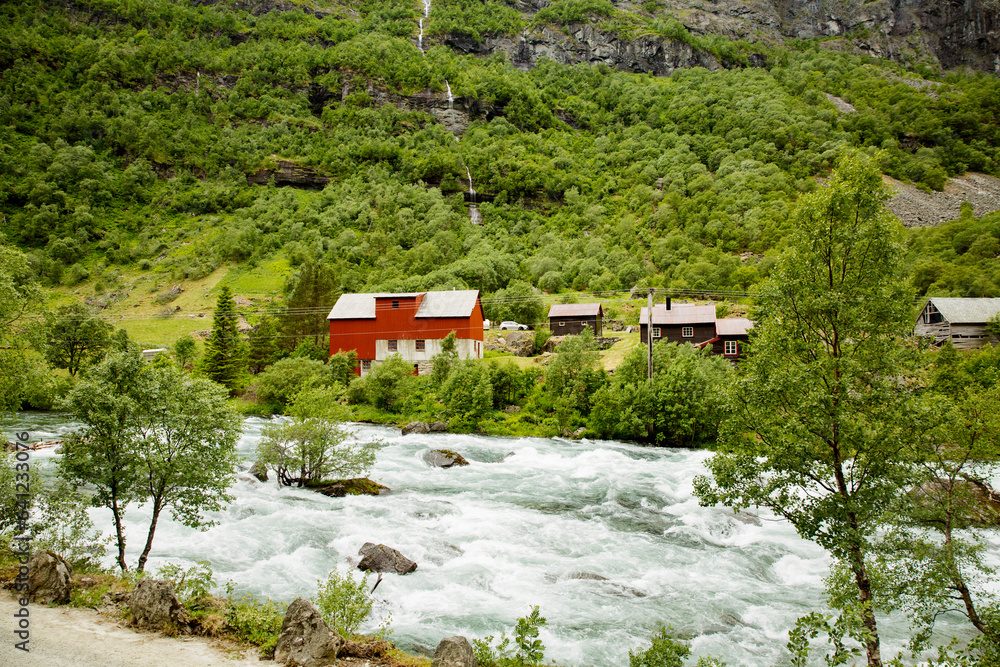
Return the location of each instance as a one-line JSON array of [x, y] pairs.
[[820, 417]]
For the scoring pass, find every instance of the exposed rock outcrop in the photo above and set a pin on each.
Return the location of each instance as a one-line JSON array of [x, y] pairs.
[[444, 458], [454, 652], [306, 640], [286, 172], [49, 578], [380, 558], [154, 606], [438, 427]]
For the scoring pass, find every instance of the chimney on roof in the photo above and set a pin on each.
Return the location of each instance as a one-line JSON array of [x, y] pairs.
[[667, 303]]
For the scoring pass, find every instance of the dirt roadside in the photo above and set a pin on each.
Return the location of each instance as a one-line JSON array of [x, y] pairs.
[[70, 637]]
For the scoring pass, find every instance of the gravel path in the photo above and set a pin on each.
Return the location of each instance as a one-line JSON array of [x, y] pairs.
[[69, 637]]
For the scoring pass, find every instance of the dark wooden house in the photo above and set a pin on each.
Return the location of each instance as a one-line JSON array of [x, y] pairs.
[[731, 336], [573, 318], [962, 321], [678, 323]]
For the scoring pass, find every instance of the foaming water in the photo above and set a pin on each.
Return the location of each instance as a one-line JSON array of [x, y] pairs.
[[605, 537]]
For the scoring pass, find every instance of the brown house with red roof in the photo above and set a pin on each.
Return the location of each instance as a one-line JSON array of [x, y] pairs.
[[573, 318]]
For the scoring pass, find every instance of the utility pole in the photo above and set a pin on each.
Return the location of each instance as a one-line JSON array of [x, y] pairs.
[[649, 331]]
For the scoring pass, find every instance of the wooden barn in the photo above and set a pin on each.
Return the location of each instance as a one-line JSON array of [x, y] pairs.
[[573, 318], [962, 321], [411, 325], [678, 323]]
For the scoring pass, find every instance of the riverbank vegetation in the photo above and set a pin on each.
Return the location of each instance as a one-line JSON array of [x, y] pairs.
[[157, 158]]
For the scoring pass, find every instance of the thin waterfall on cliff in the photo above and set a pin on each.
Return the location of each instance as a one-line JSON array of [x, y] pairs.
[[451, 98], [475, 217], [420, 37]]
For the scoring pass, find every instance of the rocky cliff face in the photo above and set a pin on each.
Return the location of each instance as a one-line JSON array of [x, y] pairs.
[[949, 33]]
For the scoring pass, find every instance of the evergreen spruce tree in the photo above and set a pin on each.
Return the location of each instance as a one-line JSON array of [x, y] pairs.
[[224, 359], [263, 346], [308, 299]]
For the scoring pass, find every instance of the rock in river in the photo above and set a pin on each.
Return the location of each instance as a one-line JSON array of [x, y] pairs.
[[380, 558]]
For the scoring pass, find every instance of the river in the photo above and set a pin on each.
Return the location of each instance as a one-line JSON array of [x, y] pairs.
[[605, 537]]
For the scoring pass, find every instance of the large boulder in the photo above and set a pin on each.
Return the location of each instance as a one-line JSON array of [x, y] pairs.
[[305, 639], [975, 502], [444, 458], [454, 652], [520, 343], [416, 427], [154, 606], [50, 578], [380, 558], [438, 427], [358, 486]]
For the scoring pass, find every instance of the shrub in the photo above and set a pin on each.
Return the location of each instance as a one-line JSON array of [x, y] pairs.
[[255, 622], [665, 652], [344, 602], [529, 649]]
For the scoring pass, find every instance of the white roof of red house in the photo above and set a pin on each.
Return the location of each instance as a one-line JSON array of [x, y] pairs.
[[575, 310], [679, 313], [454, 303], [733, 326]]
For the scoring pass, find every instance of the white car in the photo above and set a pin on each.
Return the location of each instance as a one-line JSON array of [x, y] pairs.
[[509, 325]]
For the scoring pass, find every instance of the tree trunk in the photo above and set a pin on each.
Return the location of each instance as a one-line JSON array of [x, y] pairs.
[[157, 507], [119, 530], [958, 581], [872, 647]]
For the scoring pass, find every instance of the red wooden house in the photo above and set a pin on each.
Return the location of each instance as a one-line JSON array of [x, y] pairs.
[[411, 325]]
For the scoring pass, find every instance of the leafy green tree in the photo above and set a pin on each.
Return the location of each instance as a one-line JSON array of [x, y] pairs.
[[75, 337], [820, 415], [185, 447], [18, 294], [185, 350], [278, 385], [314, 445], [383, 385], [224, 358], [151, 435], [340, 367], [681, 407], [519, 301], [101, 455], [445, 360], [468, 390], [574, 374], [933, 556]]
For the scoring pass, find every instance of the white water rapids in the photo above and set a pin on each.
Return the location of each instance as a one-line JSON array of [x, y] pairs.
[[604, 537]]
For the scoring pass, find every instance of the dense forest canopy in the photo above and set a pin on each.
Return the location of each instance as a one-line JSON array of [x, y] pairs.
[[129, 131]]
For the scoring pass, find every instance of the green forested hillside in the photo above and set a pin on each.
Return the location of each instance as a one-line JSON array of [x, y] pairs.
[[128, 131]]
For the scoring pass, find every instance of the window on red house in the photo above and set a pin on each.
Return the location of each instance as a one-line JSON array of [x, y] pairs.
[[421, 346], [395, 304], [687, 332], [732, 348], [393, 345], [366, 365]]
